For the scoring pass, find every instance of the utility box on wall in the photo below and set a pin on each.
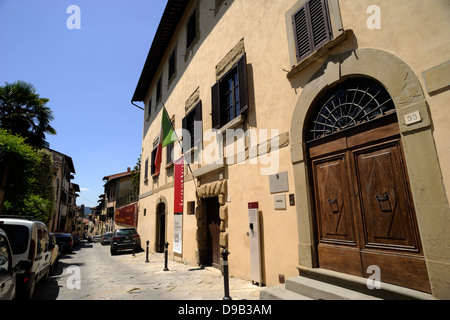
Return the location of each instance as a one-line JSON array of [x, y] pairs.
[[255, 243]]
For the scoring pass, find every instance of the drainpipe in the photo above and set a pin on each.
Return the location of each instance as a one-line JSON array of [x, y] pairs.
[[132, 102]]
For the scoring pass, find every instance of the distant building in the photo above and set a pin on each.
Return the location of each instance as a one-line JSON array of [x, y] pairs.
[[120, 201], [65, 192]]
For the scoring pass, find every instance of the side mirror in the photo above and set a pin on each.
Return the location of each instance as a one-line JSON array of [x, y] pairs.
[[24, 265]]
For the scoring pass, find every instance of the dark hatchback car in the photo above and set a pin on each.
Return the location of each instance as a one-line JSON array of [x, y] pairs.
[[64, 242], [125, 239], [106, 239]]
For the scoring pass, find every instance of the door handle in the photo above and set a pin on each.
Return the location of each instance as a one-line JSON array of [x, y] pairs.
[[333, 206], [383, 198], [384, 203]]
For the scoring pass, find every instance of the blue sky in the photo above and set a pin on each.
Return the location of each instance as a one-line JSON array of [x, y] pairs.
[[89, 75]]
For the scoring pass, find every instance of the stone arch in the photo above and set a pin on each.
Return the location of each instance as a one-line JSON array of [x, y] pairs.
[[427, 189]]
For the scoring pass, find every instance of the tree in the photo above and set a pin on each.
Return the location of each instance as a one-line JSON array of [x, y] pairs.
[[26, 179], [136, 177], [24, 112]]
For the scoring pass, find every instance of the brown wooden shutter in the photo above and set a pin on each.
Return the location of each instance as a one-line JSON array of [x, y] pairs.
[[215, 106], [186, 141], [198, 127], [302, 33], [318, 14], [243, 84], [311, 27]]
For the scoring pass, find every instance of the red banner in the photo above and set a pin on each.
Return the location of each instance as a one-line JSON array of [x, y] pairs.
[[179, 186], [127, 215]]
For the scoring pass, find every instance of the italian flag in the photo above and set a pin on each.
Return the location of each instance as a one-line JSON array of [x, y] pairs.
[[165, 138]]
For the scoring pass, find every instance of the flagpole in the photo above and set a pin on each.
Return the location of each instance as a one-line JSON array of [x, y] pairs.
[[181, 145]]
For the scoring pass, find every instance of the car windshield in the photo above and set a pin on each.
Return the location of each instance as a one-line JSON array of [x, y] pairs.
[[125, 232], [18, 237]]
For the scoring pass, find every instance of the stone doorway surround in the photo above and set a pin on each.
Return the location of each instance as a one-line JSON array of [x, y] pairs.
[[429, 197], [210, 190]]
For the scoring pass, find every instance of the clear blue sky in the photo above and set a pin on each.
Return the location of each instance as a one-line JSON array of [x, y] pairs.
[[89, 75]]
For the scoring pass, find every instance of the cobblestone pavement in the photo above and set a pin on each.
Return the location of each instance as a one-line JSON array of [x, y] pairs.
[[91, 273]]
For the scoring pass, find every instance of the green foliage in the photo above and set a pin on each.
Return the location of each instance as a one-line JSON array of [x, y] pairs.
[[26, 179], [24, 112], [136, 176]]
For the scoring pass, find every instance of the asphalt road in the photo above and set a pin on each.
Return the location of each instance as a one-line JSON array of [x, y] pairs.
[[91, 273]]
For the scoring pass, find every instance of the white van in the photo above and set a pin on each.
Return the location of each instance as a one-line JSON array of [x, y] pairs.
[[29, 241]]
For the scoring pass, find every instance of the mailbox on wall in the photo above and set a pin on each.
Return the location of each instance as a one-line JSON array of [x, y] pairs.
[[255, 243]]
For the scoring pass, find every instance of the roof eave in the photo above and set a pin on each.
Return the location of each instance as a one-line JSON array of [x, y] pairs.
[[169, 22]]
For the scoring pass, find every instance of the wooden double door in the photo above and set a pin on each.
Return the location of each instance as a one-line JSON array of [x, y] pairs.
[[364, 210]]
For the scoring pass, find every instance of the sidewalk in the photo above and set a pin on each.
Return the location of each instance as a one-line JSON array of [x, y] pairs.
[[182, 282]]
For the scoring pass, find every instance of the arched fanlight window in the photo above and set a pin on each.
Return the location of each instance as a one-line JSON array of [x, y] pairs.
[[349, 104]]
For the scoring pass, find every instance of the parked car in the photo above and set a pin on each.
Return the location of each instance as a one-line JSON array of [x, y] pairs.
[[97, 238], [125, 239], [8, 268], [29, 241], [56, 253], [64, 241], [106, 239]]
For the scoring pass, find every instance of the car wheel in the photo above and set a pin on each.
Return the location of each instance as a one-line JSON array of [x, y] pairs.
[[27, 295], [113, 252]]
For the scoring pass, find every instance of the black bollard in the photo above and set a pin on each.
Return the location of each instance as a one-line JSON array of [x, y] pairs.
[[166, 256], [146, 254], [226, 284]]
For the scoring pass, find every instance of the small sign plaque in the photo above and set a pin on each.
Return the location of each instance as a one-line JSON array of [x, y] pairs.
[[280, 202], [412, 118], [279, 183]]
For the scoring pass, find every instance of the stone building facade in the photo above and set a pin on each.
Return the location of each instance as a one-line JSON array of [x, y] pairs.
[[331, 114]]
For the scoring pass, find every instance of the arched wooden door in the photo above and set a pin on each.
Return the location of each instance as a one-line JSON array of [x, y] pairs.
[[161, 227], [364, 210]]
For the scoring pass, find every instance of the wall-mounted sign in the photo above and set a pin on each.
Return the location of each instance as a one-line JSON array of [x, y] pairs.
[[412, 118], [279, 183], [280, 202], [178, 233]]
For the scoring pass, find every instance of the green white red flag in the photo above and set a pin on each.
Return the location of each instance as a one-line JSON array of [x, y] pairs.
[[165, 138]]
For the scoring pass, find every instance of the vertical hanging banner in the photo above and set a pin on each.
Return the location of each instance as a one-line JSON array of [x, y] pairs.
[[178, 206], [179, 186]]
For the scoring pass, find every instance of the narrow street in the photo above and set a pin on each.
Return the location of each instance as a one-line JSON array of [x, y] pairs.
[[91, 273]]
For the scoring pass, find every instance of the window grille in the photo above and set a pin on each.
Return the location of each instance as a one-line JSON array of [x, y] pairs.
[[352, 103]]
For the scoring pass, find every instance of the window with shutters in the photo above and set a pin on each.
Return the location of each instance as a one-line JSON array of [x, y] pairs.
[[159, 90], [170, 153], [172, 66], [146, 170], [229, 95], [312, 29], [192, 32], [193, 128], [153, 158]]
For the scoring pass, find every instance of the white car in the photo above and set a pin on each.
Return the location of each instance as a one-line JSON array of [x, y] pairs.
[[29, 241]]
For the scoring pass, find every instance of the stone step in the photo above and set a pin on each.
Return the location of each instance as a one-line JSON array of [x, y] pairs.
[[280, 293], [319, 290], [321, 284]]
